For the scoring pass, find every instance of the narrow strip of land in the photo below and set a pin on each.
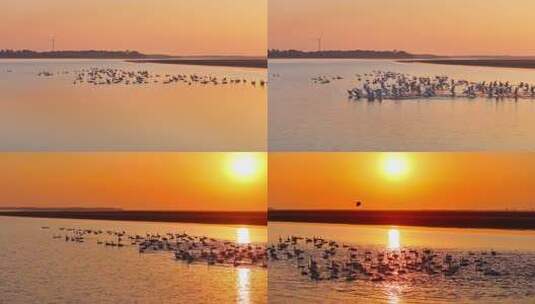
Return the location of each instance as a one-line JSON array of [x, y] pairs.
[[450, 219], [501, 63], [219, 217], [242, 63]]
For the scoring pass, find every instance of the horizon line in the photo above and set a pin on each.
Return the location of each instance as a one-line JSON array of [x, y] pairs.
[[136, 51], [396, 51], [118, 209], [400, 210]]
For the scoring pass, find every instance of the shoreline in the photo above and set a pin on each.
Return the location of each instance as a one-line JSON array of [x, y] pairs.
[[240, 63], [256, 218], [498, 63], [509, 220]]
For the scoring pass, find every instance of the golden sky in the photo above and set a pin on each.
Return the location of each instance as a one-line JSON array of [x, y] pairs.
[[177, 27], [402, 181], [155, 181], [453, 27]]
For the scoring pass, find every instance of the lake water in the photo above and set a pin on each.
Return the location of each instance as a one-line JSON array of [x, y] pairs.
[[304, 115], [35, 268], [39, 113], [510, 253]]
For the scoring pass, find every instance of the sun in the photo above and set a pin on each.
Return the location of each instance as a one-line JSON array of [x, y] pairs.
[[395, 165], [244, 166]]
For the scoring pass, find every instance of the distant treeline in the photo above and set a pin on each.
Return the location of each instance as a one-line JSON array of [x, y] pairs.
[[89, 54], [208, 217], [59, 209], [395, 54], [426, 218]]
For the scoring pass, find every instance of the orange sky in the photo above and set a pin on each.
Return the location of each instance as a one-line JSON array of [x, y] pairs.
[[178, 27], [402, 180], [177, 181], [452, 27]]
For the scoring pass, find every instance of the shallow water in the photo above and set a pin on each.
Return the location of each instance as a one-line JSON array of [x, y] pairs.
[[308, 116], [35, 268], [514, 259], [50, 113]]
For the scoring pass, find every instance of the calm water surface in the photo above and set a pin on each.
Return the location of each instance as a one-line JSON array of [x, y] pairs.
[[50, 113], [308, 116], [515, 260], [35, 268]]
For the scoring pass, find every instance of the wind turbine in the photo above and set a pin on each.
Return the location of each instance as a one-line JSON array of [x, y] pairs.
[[319, 42]]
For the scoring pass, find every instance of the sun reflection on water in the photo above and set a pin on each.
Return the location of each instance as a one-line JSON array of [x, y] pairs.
[[243, 236], [243, 285], [393, 291], [393, 239]]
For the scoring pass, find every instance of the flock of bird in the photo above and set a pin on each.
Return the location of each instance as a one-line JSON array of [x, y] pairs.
[[320, 259], [325, 79], [109, 76], [384, 85], [314, 258], [185, 247]]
